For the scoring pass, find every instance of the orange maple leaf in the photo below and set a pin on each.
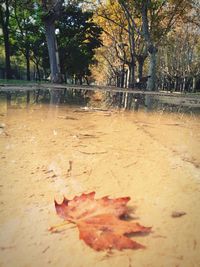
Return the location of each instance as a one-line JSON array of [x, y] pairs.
[[99, 221]]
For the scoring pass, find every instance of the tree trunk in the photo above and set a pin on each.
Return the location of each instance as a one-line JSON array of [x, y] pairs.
[[4, 20], [131, 78], [87, 80], [122, 77], [52, 11], [184, 84], [117, 80], [132, 53], [38, 72], [140, 69], [28, 75], [28, 97], [7, 54], [8, 97], [175, 84], [52, 49], [194, 84], [152, 50], [53, 58], [140, 60], [37, 96], [151, 83]]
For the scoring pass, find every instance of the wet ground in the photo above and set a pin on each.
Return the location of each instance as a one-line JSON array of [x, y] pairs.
[[152, 157]]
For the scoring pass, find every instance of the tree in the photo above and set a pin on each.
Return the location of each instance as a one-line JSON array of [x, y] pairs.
[[158, 19], [4, 22], [78, 38], [51, 12], [179, 59], [119, 44], [23, 30]]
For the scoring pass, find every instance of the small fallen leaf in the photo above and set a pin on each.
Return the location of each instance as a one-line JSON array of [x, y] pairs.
[[44, 250], [70, 167], [99, 221], [176, 214]]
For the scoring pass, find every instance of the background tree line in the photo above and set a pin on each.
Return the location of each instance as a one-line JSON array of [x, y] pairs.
[[145, 44], [28, 26], [150, 44]]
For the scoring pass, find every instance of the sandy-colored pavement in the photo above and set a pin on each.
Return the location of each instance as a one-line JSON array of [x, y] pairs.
[[153, 158]]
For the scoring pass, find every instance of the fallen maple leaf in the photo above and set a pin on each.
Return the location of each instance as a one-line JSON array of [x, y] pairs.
[[99, 222]]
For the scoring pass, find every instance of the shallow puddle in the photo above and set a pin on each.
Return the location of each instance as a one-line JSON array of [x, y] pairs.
[[47, 152]]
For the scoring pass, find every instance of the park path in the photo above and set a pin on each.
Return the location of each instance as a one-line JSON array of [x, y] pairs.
[[152, 157]]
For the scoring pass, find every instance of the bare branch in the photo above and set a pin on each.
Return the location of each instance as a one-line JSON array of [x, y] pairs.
[[126, 10]]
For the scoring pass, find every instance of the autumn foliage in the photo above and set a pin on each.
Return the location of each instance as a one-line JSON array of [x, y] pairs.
[[100, 221]]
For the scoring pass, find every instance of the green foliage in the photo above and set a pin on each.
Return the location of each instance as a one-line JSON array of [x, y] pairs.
[[78, 38], [27, 29]]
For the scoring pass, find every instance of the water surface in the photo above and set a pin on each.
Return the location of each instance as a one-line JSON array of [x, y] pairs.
[[48, 151]]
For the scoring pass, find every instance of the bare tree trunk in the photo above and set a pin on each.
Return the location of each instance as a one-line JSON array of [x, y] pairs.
[[37, 96], [28, 97], [28, 75], [122, 77], [194, 84], [54, 64], [4, 21], [141, 60], [8, 97], [151, 83], [52, 49], [117, 80], [131, 77], [140, 69], [132, 53], [175, 84], [7, 54], [38, 72], [152, 50], [184, 83], [52, 11]]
